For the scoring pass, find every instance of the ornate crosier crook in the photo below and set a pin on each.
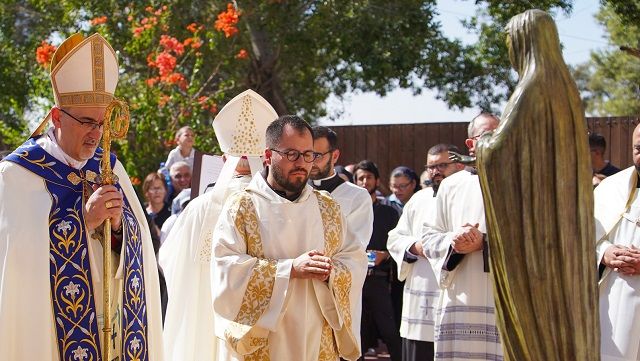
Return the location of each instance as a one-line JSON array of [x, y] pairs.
[[116, 128]]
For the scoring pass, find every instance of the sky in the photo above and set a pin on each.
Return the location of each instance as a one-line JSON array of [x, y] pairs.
[[579, 33]]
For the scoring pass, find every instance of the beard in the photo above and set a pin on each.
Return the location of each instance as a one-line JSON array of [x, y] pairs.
[[323, 172], [283, 181]]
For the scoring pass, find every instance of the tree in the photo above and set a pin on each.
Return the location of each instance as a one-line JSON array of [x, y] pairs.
[[610, 80], [181, 59]]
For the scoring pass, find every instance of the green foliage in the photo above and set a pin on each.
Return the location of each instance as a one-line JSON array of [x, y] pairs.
[[610, 81], [627, 10], [294, 53], [23, 25]]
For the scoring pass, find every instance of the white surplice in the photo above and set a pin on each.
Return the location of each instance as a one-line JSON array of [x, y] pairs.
[[421, 289], [185, 258], [465, 326], [27, 329], [355, 203], [259, 310], [619, 294]]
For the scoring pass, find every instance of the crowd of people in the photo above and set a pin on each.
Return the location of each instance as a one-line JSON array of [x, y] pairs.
[[289, 256]]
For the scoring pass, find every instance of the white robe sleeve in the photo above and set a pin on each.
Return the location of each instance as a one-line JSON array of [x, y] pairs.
[[189, 316], [401, 239], [436, 239], [340, 298], [248, 291], [27, 330], [359, 223]]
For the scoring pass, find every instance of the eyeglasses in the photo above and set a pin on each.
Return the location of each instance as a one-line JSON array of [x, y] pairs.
[[440, 166], [86, 124], [292, 155], [476, 137], [400, 186], [181, 176], [320, 155]]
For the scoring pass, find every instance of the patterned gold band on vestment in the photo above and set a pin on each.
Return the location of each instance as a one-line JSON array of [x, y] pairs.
[[258, 293]]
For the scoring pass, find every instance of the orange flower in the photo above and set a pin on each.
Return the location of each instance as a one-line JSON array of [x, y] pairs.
[[150, 60], [98, 21], [193, 27], [174, 78], [44, 53], [227, 21], [196, 44], [242, 54], [135, 181], [172, 44], [187, 41], [203, 100], [164, 99], [137, 31], [149, 9], [151, 82], [165, 63]]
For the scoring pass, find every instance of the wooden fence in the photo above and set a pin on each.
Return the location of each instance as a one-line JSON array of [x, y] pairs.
[[407, 144]]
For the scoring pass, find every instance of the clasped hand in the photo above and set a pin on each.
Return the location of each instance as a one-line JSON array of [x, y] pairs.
[[467, 239], [625, 260], [311, 265], [105, 202]]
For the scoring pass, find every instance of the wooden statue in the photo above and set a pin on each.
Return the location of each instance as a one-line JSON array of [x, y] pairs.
[[536, 181]]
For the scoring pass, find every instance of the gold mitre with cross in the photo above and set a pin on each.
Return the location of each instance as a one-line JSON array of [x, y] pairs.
[[242, 123], [84, 73]]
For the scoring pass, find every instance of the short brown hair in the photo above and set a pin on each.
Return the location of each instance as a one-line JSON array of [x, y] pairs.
[[149, 179]]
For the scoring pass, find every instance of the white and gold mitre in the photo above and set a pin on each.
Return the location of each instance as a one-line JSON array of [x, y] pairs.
[[84, 72], [241, 124]]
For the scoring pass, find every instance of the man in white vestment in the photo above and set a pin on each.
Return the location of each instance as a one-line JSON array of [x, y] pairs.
[[185, 256], [354, 201], [52, 211], [286, 281], [453, 242], [421, 289], [617, 212]]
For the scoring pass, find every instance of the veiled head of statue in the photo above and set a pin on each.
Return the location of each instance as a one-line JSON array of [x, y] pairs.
[[532, 39]]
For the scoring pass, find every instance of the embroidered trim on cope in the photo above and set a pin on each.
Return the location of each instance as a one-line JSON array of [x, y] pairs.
[[72, 293]]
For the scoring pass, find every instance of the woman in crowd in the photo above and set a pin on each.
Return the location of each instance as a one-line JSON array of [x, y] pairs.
[[154, 190]]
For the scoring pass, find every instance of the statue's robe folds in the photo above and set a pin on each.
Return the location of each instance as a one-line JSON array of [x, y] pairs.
[[185, 258], [538, 196], [261, 313], [51, 275], [421, 289], [617, 210], [465, 327]]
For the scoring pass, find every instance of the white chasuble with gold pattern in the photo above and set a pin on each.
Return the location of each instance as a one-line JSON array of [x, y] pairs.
[[260, 312]]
